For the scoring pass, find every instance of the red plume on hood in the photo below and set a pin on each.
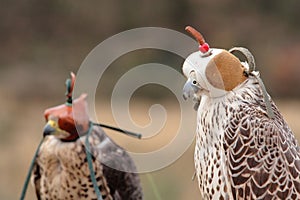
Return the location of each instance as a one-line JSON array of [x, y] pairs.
[[203, 46]]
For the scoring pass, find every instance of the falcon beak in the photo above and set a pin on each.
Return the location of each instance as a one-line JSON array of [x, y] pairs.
[[49, 129], [190, 88], [52, 128]]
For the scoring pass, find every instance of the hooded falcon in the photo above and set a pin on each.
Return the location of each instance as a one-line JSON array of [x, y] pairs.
[[61, 169], [244, 148]]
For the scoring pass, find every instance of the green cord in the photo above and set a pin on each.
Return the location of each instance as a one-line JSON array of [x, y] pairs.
[[154, 188], [88, 155], [69, 90], [30, 171], [90, 164]]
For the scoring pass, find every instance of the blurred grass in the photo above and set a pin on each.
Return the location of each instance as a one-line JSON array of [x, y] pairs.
[[22, 123]]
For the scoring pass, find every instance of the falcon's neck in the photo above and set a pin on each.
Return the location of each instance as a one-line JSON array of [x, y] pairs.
[[214, 113], [212, 118], [248, 91]]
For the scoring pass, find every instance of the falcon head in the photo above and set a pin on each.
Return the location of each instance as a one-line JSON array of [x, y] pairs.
[[68, 121], [210, 71]]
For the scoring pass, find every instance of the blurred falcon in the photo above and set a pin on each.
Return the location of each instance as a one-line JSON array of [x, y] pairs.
[[61, 169], [244, 148]]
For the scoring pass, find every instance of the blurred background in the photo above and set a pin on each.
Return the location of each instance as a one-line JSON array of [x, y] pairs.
[[42, 41]]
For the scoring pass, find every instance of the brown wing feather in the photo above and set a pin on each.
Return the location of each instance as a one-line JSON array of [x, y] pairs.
[[117, 168], [122, 184], [263, 156]]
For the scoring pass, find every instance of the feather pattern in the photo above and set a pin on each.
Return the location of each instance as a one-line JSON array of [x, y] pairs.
[[243, 154], [61, 170]]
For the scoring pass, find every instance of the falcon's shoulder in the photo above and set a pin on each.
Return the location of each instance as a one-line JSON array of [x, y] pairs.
[[118, 168], [263, 156]]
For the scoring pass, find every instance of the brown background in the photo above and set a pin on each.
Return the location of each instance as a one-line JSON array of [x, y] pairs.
[[42, 41]]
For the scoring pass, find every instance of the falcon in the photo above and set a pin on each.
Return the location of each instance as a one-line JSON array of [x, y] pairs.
[[244, 148], [61, 169]]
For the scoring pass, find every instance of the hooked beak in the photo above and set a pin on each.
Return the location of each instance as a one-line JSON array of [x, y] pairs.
[[49, 129], [190, 88]]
